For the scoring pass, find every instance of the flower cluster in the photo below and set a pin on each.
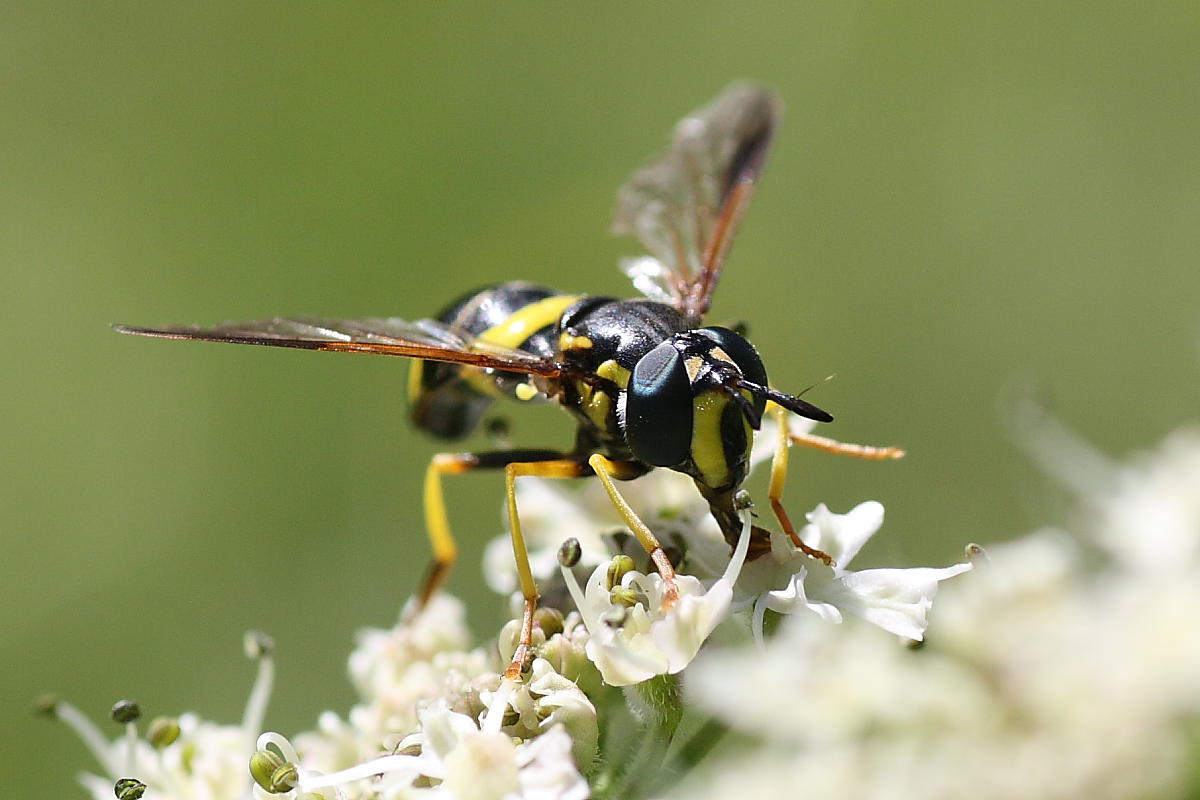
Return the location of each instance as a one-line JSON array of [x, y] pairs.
[[607, 703], [186, 758], [1066, 666]]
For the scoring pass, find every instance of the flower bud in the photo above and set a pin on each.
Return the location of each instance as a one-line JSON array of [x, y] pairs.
[[617, 569], [46, 704], [628, 597], [570, 552], [284, 779], [129, 789], [263, 765], [550, 620], [163, 732], [257, 645], [124, 711]]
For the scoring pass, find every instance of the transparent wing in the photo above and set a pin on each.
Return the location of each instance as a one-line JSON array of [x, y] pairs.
[[426, 338], [685, 205]]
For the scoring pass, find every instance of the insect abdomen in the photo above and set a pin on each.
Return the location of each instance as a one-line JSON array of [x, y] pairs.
[[448, 400]]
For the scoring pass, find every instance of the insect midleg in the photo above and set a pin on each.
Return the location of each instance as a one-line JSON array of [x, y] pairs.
[[558, 467], [779, 465], [607, 470], [437, 523]]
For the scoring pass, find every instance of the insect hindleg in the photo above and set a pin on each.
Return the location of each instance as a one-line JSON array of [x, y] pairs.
[[607, 470], [445, 551]]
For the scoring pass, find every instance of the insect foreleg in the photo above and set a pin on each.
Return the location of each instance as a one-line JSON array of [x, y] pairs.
[[779, 465], [864, 451]]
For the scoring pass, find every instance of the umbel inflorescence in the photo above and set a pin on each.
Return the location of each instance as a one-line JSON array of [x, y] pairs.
[[602, 706], [1062, 666]]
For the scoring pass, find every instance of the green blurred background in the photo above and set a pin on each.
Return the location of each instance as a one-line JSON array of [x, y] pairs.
[[964, 197]]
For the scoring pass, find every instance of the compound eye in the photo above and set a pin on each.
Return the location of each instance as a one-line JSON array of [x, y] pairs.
[[744, 355], [658, 408]]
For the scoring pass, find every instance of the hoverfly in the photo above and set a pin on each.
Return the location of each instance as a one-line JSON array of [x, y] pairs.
[[647, 382]]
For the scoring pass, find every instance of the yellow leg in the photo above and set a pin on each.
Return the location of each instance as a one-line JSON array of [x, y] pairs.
[[607, 470], [864, 451], [437, 524], [559, 468], [779, 465]]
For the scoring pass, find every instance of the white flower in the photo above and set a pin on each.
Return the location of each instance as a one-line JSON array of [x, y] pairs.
[[382, 665], [1056, 670], [656, 635], [1150, 517], [1145, 512], [896, 600], [205, 761], [553, 511], [452, 756], [396, 670], [565, 649], [548, 700], [522, 727]]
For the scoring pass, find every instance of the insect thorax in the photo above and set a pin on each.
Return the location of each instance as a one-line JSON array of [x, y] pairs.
[[605, 339]]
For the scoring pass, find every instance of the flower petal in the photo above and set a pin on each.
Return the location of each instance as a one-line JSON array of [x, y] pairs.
[[896, 600], [842, 535]]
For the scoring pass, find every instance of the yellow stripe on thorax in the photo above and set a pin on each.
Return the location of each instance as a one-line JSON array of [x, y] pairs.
[[570, 341]]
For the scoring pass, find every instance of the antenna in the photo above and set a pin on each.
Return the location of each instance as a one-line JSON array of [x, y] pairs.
[[788, 401]]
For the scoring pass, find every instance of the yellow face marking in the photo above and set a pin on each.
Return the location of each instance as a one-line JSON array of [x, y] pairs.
[[569, 342], [693, 364], [527, 321], [708, 452], [614, 372]]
